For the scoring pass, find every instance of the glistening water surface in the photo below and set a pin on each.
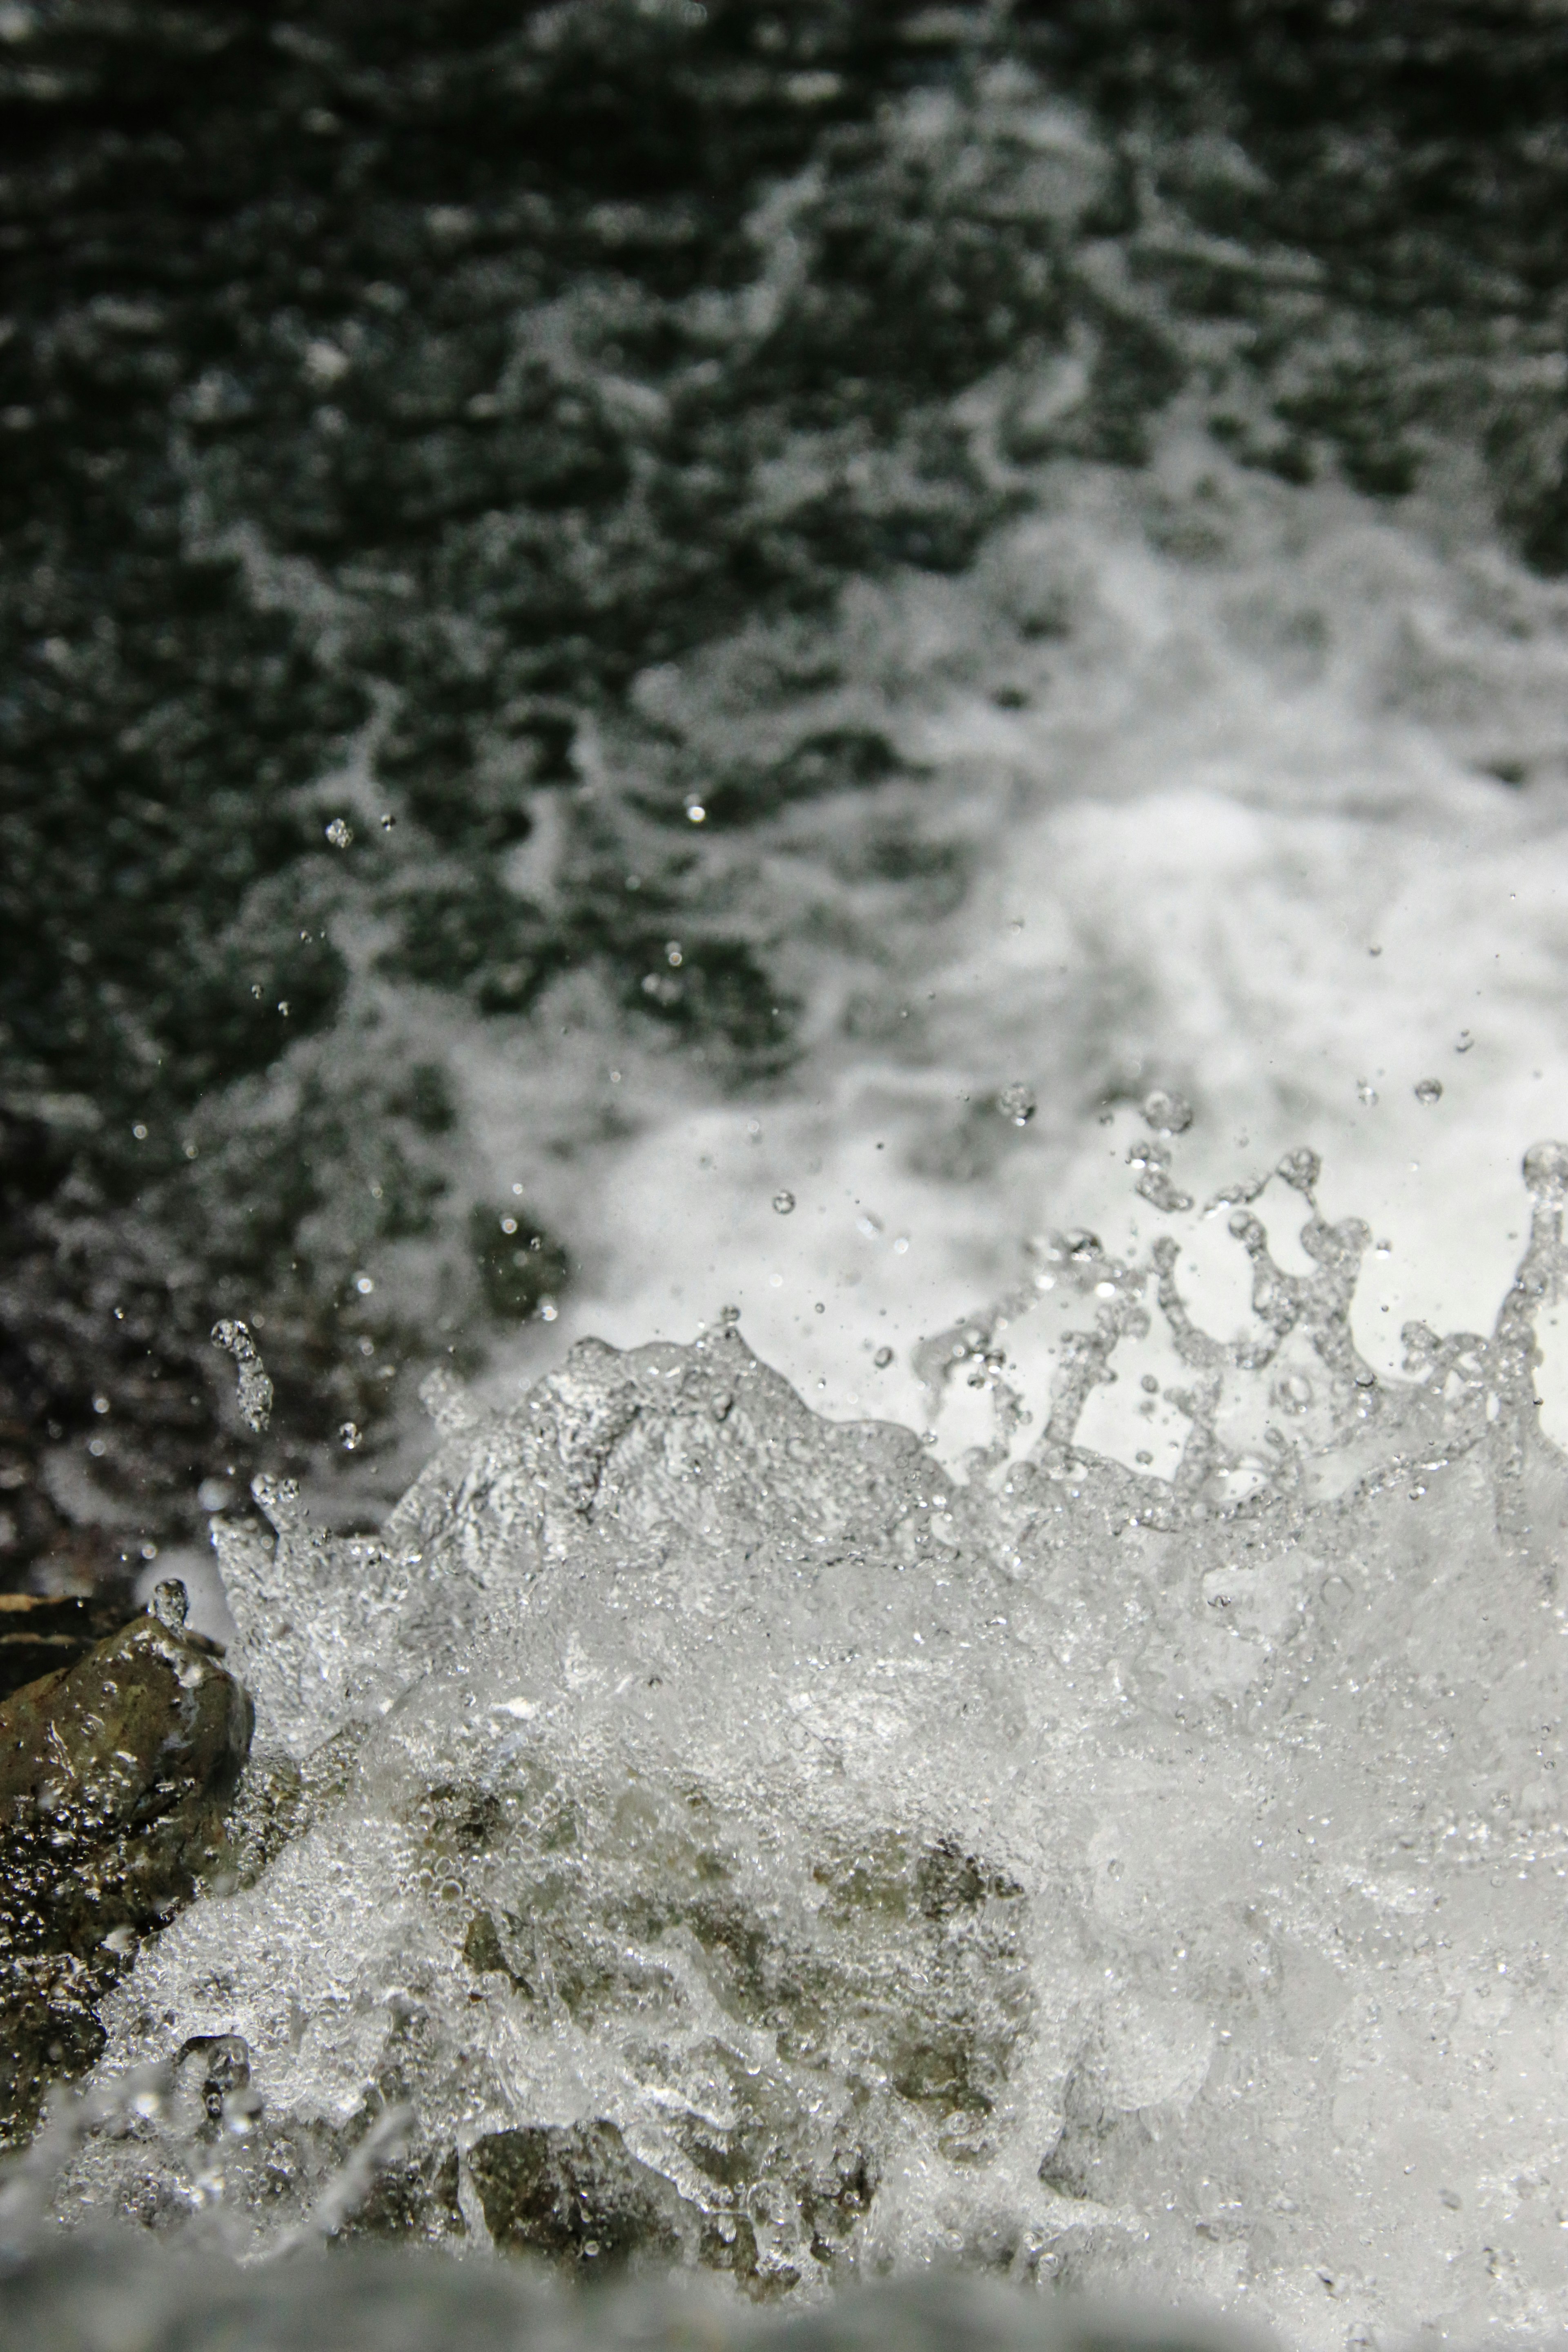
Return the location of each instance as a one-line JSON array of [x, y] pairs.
[[839, 668]]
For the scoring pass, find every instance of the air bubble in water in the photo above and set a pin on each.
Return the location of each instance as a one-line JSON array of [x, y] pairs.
[[340, 833], [1017, 1103], [1429, 1090], [784, 1202], [350, 1434], [1167, 1114]]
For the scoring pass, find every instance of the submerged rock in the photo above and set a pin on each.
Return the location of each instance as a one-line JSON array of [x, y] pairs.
[[745, 1847], [115, 1774]]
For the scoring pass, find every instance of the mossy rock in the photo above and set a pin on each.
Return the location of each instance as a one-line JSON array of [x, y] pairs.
[[116, 1773]]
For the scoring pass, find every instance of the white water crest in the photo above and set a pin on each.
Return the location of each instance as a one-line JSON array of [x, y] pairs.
[[1210, 783], [744, 1846]]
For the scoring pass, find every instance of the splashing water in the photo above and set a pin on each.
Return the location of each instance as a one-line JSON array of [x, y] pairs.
[[743, 1845], [254, 1395]]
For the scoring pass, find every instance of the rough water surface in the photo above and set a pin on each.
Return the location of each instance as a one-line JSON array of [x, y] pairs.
[[743, 1845]]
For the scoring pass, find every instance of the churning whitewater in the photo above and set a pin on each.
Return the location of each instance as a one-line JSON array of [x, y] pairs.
[[717, 1836]]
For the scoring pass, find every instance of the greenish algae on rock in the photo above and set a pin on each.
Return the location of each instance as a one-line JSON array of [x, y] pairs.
[[115, 1775]]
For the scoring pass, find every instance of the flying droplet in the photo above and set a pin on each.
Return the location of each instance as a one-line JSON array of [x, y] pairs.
[[695, 812], [1167, 1114], [784, 1202], [170, 1604], [255, 1389], [364, 1284], [882, 1358], [387, 823], [1365, 1092], [1429, 1090], [350, 1434], [1017, 1103], [1466, 1042], [340, 833]]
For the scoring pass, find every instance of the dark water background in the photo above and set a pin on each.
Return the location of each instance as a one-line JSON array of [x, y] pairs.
[[383, 388]]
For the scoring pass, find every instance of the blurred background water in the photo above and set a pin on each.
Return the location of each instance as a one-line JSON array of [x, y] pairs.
[[660, 658]]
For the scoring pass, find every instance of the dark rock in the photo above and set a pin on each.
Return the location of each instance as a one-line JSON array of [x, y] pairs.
[[115, 1775], [40, 1633], [574, 2192]]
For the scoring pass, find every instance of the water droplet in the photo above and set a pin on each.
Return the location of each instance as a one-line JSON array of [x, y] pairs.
[[695, 812], [1365, 1092], [672, 954], [882, 1358], [729, 1314], [387, 823], [101, 1404], [1167, 1114], [509, 1225], [364, 1284], [1300, 1170], [819, 1308], [170, 1604], [340, 833], [255, 1389], [140, 1132], [1017, 1103], [348, 1431], [784, 1202], [1466, 1042], [1429, 1090], [548, 1311]]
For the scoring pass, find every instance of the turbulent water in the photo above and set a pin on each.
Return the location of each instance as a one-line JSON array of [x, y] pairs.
[[709, 1834], [836, 674]]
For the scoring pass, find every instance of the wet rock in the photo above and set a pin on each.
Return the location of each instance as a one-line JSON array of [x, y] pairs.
[[42, 1632], [115, 1774], [575, 2192]]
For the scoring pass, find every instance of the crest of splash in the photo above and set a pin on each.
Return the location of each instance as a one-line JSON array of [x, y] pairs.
[[744, 1847]]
